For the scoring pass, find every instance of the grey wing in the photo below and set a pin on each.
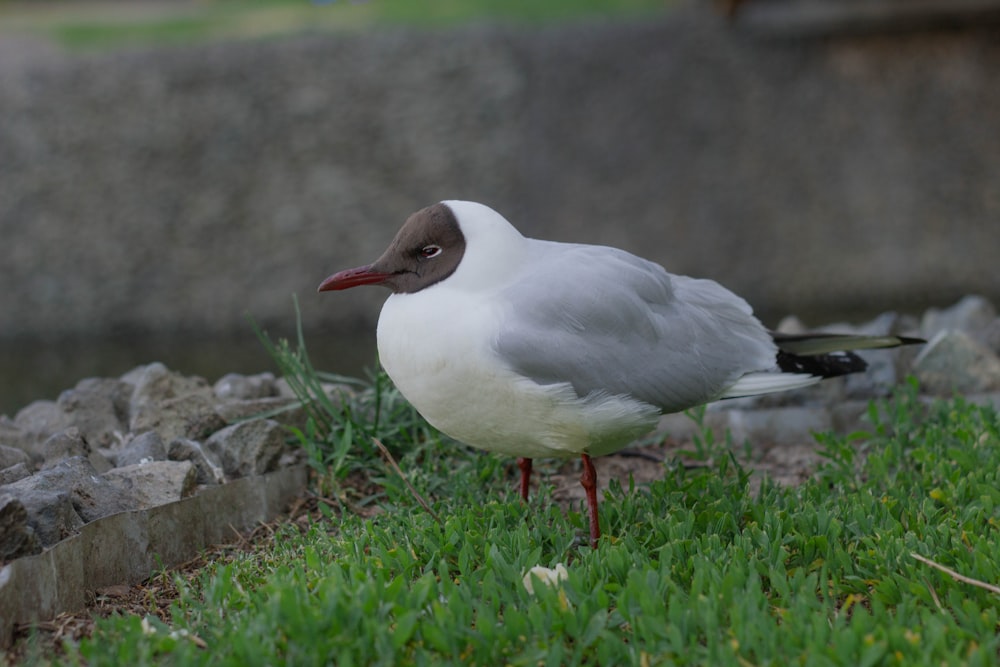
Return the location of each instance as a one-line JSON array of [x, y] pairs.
[[604, 320]]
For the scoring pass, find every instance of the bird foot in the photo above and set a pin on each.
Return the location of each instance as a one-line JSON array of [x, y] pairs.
[[588, 479], [525, 465]]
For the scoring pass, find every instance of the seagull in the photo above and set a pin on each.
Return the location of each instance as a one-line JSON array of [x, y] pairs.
[[535, 348]]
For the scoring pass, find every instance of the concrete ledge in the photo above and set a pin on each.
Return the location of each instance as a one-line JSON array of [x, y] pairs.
[[128, 547], [837, 17], [808, 175]]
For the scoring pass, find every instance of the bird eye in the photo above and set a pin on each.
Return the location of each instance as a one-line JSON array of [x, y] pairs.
[[429, 251]]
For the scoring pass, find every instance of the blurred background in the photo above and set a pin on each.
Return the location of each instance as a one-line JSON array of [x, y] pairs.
[[170, 167]]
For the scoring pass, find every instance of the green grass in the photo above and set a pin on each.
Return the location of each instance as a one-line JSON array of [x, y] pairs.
[[83, 26], [692, 571]]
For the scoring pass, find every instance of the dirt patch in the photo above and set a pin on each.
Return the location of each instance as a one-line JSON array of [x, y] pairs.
[[785, 465]]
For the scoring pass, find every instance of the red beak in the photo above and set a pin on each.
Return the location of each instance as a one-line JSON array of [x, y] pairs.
[[363, 275]]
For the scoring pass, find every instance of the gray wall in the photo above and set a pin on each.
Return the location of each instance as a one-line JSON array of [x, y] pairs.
[[176, 189]]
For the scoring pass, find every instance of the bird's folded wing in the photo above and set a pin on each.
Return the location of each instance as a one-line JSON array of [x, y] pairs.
[[604, 320]]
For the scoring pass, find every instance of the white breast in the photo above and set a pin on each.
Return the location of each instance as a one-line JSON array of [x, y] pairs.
[[436, 345]]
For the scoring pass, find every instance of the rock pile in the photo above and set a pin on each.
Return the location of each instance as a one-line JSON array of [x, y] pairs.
[[145, 439]]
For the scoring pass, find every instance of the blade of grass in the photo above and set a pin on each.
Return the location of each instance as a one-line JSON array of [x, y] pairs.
[[956, 575], [392, 462]]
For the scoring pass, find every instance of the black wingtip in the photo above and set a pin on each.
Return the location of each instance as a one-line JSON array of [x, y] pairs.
[[829, 365], [805, 353]]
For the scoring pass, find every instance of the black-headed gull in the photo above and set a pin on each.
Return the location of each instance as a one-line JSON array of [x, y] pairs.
[[535, 348]]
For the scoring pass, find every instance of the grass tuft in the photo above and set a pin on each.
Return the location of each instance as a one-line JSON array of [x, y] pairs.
[[116, 25]]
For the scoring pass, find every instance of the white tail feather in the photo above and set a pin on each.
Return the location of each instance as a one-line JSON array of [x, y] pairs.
[[753, 384]]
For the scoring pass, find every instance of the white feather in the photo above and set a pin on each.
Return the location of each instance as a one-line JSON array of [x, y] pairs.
[[753, 384]]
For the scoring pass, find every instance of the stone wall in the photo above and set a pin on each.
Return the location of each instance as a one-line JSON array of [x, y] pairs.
[[176, 189]]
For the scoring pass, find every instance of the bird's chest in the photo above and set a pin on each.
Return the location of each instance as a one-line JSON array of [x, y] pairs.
[[438, 352], [442, 360], [440, 355]]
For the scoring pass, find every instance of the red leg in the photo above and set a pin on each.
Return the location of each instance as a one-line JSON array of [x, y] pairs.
[[589, 481], [525, 466]]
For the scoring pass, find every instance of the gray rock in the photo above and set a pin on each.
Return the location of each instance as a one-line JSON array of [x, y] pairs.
[[234, 385], [293, 456], [189, 416], [335, 390], [135, 375], [155, 383], [173, 405], [62, 445], [142, 448], [878, 379], [284, 410], [248, 448], [991, 399], [850, 417], [11, 435], [780, 425], [791, 324], [891, 322], [17, 538], [954, 362], [156, 482], [970, 315], [69, 443], [208, 469], [14, 473], [51, 514], [36, 423], [99, 408], [92, 496], [284, 389], [990, 336], [783, 425], [10, 456]]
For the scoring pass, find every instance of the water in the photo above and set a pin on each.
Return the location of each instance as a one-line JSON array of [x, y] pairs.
[[33, 369]]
